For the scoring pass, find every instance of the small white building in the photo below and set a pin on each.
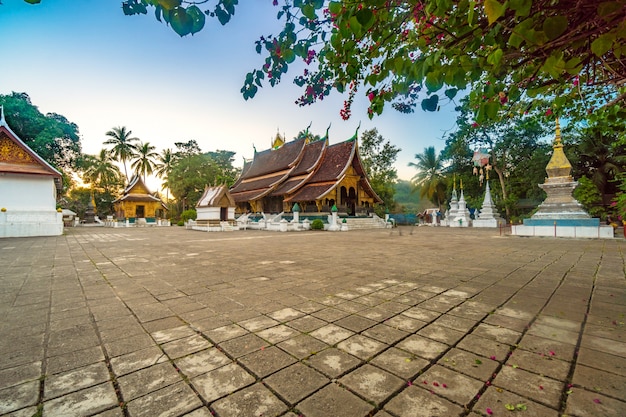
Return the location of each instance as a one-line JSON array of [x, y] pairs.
[[216, 206], [28, 189]]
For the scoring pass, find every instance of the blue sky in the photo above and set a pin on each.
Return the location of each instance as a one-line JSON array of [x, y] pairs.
[[100, 69]]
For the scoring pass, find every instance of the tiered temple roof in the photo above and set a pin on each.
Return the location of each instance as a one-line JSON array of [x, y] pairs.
[[302, 171]]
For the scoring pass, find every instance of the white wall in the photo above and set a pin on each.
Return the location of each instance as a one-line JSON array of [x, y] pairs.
[[27, 192]]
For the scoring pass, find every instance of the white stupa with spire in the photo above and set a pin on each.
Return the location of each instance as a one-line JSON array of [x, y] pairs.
[[462, 218], [488, 216]]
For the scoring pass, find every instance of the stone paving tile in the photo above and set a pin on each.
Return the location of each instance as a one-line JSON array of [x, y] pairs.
[[417, 402], [484, 347], [496, 399], [333, 400], [355, 323], [221, 382], [331, 334], [585, 403], [243, 345], [601, 360], [421, 314], [449, 384], [296, 382], [266, 361], [468, 363], [302, 346], [403, 364], [173, 400], [19, 396], [254, 401], [605, 383], [129, 344], [372, 383], [258, 323], [333, 362], [168, 335], [85, 402], [202, 362], [185, 346], [441, 334], [73, 360], [306, 324], [423, 347], [147, 380], [330, 314], [20, 374], [612, 347], [224, 333], [386, 334], [548, 347], [277, 334], [542, 389], [139, 359], [405, 323], [74, 380], [362, 347], [286, 314], [540, 364]]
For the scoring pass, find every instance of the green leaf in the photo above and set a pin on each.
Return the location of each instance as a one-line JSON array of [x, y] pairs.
[[509, 407], [491, 109], [430, 104], [334, 7], [434, 81], [522, 32], [494, 10], [169, 4], [521, 7], [289, 55], [365, 17], [355, 26], [451, 93], [495, 57], [197, 18], [309, 11], [555, 26], [180, 21], [602, 44]]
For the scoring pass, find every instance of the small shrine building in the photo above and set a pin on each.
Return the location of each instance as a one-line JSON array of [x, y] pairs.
[[137, 202], [28, 189], [216, 205], [314, 174]]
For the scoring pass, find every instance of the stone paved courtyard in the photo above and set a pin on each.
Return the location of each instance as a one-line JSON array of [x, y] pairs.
[[429, 322]]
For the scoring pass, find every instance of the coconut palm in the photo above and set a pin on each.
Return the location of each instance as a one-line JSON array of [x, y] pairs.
[[100, 171], [123, 147], [163, 166], [429, 178], [143, 164]]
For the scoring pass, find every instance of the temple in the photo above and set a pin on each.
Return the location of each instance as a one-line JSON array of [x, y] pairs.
[[138, 205], [313, 174], [28, 189]]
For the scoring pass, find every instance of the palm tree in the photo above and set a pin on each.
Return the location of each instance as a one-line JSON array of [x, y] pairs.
[[429, 178], [143, 164], [165, 162], [123, 147], [101, 171]]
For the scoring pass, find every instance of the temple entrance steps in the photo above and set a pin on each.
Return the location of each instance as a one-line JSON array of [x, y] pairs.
[[227, 227], [356, 223]]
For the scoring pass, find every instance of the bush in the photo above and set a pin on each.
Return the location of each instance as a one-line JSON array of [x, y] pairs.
[[317, 224], [181, 223], [188, 215]]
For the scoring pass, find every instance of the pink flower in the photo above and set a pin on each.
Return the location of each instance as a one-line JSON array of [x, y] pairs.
[[409, 383], [444, 385], [489, 411], [597, 401], [541, 387], [436, 384], [493, 358], [552, 353], [549, 112]]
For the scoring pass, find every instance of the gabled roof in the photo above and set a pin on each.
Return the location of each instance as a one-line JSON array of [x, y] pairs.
[[18, 158], [213, 195], [136, 190], [308, 175]]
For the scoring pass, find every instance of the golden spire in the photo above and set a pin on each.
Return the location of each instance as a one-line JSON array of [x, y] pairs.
[[559, 165]]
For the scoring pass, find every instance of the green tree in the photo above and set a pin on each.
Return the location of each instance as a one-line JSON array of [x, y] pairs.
[[101, 172], [430, 179], [163, 168], [378, 157], [51, 136], [224, 161], [401, 52], [124, 147], [407, 200], [144, 159], [190, 175]]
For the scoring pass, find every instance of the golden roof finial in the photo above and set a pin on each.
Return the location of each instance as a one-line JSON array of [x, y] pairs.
[[559, 166]]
